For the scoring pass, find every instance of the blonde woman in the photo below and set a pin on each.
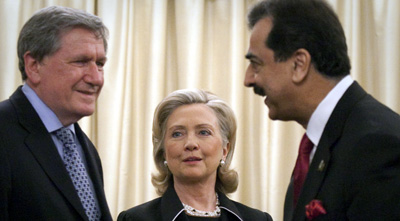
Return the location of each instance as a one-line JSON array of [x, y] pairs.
[[194, 135]]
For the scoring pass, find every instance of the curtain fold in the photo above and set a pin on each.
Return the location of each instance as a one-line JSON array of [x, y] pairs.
[[156, 47]]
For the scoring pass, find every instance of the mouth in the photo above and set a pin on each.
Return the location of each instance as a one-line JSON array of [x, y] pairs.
[[87, 92], [192, 159], [88, 96], [87, 89], [90, 92]]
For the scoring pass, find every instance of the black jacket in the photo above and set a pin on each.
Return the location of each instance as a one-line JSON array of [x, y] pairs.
[[355, 172], [34, 184], [169, 208]]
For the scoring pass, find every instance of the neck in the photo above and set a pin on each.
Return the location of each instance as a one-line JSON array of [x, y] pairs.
[[317, 89], [199, 196]]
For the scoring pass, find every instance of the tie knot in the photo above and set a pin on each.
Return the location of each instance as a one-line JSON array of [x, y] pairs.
[[65, 135], [306, 145]]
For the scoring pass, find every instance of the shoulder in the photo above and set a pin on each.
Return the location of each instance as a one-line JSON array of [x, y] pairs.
[[10, 128], [5, 105], [359, 115], [13, 110], [15, 101], [367, 129], [370, 120], [364, 108], [146, 211], [6, 110], [249, 213]]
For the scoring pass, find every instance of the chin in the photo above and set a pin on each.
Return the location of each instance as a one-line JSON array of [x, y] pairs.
[[88, 113], [280, 117], [272, 114], [84, 112]]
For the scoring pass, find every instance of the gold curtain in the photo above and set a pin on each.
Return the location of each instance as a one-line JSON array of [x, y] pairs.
[[157, 46]]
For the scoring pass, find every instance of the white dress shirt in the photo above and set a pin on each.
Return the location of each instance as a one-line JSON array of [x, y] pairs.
[[322, 113]]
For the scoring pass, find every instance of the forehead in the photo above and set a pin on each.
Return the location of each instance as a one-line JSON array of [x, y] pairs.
[[260, 32], [80, 36], [193, 114], [258, 50], [81, 42]]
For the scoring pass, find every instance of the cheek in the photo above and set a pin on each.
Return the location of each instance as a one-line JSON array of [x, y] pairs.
[[171, 150], [215, 150], [53, 86], [263, 80]]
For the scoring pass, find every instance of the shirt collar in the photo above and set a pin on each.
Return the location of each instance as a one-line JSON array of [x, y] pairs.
[[324, 110], [48, 117], [172, 208]]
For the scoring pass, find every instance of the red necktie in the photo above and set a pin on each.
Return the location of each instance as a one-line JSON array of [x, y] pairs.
[[301, 168]]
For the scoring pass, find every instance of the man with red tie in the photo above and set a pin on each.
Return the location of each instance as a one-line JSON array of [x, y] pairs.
[[348, 166]]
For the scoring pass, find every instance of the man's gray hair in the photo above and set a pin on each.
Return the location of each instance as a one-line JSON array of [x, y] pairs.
[[41, 34]]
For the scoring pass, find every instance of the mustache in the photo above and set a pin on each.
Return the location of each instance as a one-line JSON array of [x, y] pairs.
[[259, 90]]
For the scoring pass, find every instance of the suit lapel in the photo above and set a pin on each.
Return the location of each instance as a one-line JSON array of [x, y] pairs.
[[330, 136], [40, 143]]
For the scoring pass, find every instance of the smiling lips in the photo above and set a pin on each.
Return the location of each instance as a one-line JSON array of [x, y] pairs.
[[192, 159], [87, 89], [88, 92]]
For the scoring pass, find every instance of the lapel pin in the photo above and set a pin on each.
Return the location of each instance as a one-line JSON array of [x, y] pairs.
[[321, 166]]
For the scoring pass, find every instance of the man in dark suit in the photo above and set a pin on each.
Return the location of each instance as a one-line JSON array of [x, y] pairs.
[[49, 169], [299, 62]]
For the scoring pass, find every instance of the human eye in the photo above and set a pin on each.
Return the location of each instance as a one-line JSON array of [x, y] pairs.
[[81, 62], [101, 62], [205, 132], [176, 134], [255, 66]]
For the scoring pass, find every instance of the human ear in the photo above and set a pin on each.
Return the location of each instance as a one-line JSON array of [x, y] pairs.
[[225, 150], [32, 68], [301, 65]]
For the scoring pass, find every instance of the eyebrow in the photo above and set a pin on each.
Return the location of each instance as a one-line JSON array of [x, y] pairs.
[[87, 58], [249, 56], [253, 58], [174, 127], [204, 125], [102, 59]]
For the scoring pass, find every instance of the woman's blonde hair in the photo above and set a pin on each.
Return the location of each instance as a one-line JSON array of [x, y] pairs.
[[227, 179]]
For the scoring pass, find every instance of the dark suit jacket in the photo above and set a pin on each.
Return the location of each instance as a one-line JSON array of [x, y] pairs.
[[355, 171], [34, 184], [169, 208]]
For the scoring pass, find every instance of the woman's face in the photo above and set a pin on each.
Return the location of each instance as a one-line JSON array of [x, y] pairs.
[[193, 144]]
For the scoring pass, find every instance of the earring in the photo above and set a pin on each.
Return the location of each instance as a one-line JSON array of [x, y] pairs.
[[222, 163], [165, 163]]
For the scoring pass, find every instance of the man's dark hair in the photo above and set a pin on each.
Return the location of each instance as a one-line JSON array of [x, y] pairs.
[[307, 24]]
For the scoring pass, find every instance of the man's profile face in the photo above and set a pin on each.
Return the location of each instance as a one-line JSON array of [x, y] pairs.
[[70, 80], [269, 78]]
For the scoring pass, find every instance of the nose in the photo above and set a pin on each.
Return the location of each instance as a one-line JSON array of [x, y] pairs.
[[249, 78], [191, 143], [94, 74]]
